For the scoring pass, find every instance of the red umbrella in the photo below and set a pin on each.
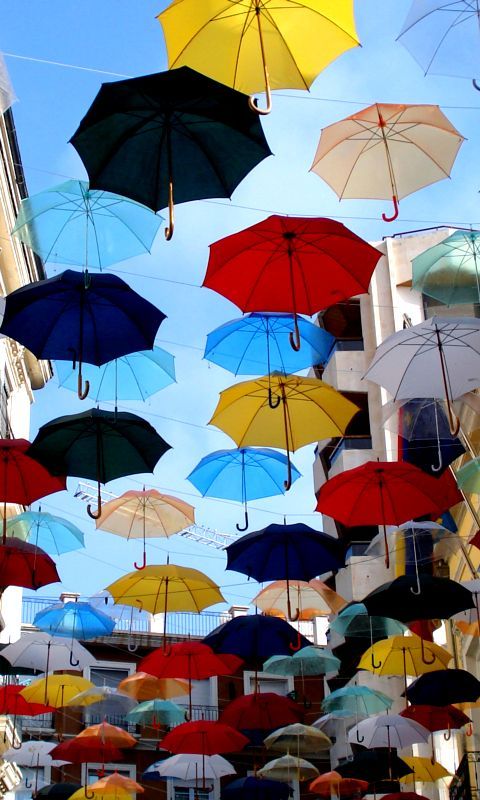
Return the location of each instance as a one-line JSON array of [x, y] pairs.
[[295, 264], [332, 783], [383, 493], [437, 718], [204, 738], [12, 702], [23, 480], [24, 564], [80, 751], [404, 796], [264, 711]]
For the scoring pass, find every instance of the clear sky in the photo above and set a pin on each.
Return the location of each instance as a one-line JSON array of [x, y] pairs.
[[123, 36]]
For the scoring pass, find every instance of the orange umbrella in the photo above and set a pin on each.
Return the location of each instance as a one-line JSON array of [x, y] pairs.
[[313, 599], [142, 686], [108, 734], [110, 783], [332, 783]]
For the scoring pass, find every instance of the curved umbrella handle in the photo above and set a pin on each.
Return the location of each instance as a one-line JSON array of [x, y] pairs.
[[288, 483], [15, 747], [89, 795], [469, 732], [376, 666], [359, 739], [244, 527], [132, 647], [143, 564], [476, 85], [171, 214], [28, 784], [294, 336], [297, 646], [447, 736], [253, 103], [426, 660], [73, 662], [438, 467], [395, 211], [82, 391], [96, 514], [271, 402]]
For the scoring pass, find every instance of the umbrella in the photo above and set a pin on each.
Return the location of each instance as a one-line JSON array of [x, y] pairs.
[[23, 480], [388, 730], [443, 37], [55, 690], [443, 687], [99, 445], [57, 791], [417, 597], [106, 733], [85, 750], [23, 564], [289, 42], [103, 700], [437, 718], [258, 343], [303, 739], [295, 264], [381, 493], [142, 686], [288, 768], [354, 620], [96, 318], [256, 789], [332, 784], [244, 473], [468, 476], [134, 376], [188, 767], [329, 723], [310, 660], [33, 754], [138, 514], [312, 599], [255, 638], [202, 137], [204, 738], [282, 411], [387, 150], [109, 787], [449, 271], [43, 653], [404, 655], [265, 711], [71, 224], [285, 551], [12, 702], [436, 358], [74, 620], [358, 701], [157, 713], [53, 534], [416, 540], [374, 766], [422, 769]]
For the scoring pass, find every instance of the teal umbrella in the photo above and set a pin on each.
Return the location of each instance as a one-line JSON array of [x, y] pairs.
[[355, 621], [307, 661], [156, 713], [53, 534], [468, 476], [449, 271], [358, 701]]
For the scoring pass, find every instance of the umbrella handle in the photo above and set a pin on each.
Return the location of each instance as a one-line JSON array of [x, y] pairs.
[[89, 795], [375, 666], [359, 739], [244, 528], [82, 392], [14, 747], [143, 564], [447, 736], [294, 336], [287, 484], [298, 644], [476, 85], [395, 211], [171, 214], [73, 662], [424, 659], [437, 467], [469, 732], [132, 647], [252, 102], [271, 402], [28, 784], [98, 513]]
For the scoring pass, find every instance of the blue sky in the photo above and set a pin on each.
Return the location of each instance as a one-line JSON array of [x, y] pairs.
[[120, 36]]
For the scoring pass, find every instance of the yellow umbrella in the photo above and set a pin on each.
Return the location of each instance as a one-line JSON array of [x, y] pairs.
[[387, 150], [110, 787], [285, 411], [423, 770], [313, 599], [256, 45], [136, 515], [55, 690], [141, 686]]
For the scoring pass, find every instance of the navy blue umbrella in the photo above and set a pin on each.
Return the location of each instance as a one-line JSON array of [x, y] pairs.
[[285, 552], [80, 317], [444, 687], [255, 638], [256, 789]]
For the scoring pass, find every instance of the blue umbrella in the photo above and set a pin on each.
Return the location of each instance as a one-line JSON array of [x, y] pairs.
[[73, 224], [258, 343], [53, 534], [256, 789], [134, 376], [156, 713], [255, 638], [80, 318], [74, 620], [244, 473]]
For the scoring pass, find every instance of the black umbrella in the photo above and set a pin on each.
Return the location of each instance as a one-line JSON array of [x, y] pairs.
[[414, 597], [375, 765], [57, 791], [175, 132], [99, 445], [443, 687], [255, 638]]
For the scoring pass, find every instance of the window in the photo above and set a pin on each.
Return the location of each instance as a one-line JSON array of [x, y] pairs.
[[109, 676], [127, 770], [189, 793], [267, 683]]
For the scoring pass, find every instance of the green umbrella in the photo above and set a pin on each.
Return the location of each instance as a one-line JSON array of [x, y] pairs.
[[355, 621], [358, 701], [468, 476], [307, 661], [449, 271], [156, 713], [98, 445]]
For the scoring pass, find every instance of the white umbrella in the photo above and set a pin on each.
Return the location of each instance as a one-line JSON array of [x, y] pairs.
[[333, 721], [438, 358], [104, 700], [388, 730], [445, 541], [44, 653], [33, 754], [187, 767]]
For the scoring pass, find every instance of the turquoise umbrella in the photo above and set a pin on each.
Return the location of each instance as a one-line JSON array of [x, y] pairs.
[[74, 225], [355, 621], [156, 713], [53, 534], [468, 476], [450, 271], [307, 661], [358, 701]]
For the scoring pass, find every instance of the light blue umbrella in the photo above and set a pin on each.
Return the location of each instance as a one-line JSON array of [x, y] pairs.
[[450, 271], [53, 534], [71, 224], [74, 620], [135, 376], [354, 620], [244, 473], [156, 713], [258, 343], [358, 701], [307, 661]]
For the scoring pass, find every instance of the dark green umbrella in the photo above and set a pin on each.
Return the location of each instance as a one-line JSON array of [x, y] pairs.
[[99, 445], [172, 132]]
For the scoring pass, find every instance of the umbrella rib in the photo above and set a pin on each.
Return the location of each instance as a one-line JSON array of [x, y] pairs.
[[185, 130]]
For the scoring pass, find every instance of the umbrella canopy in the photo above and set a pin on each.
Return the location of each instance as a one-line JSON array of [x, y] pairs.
[[33, 754], [301, 739], [259, 43], [96, 318], [282, 411], [354, 620], [87, 749], [23, 564], [12, 702], [443, 687], [53, 534], [74, 620], [416, 540], [255, 638], [99, 445], [157, 713], [43, 653], [189, 767], [192, 660], [55, 690], [138, 514], [264, 711], [106, 733], [103, 700], [312, 599], [288, 768], [436, 358], [357, 701], [436, 718], [110, 787], [374, 765], [332, 784], [71, 224], [256, 789], [142, 686], [259, 343], [291, 264], [468, 476], [449, 271], [422, 769], [388, 730], [58, 791], [387, 150], [244, 473], [310, 660], [204, 738], [202, 136], [419, 597], [404, 655]]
